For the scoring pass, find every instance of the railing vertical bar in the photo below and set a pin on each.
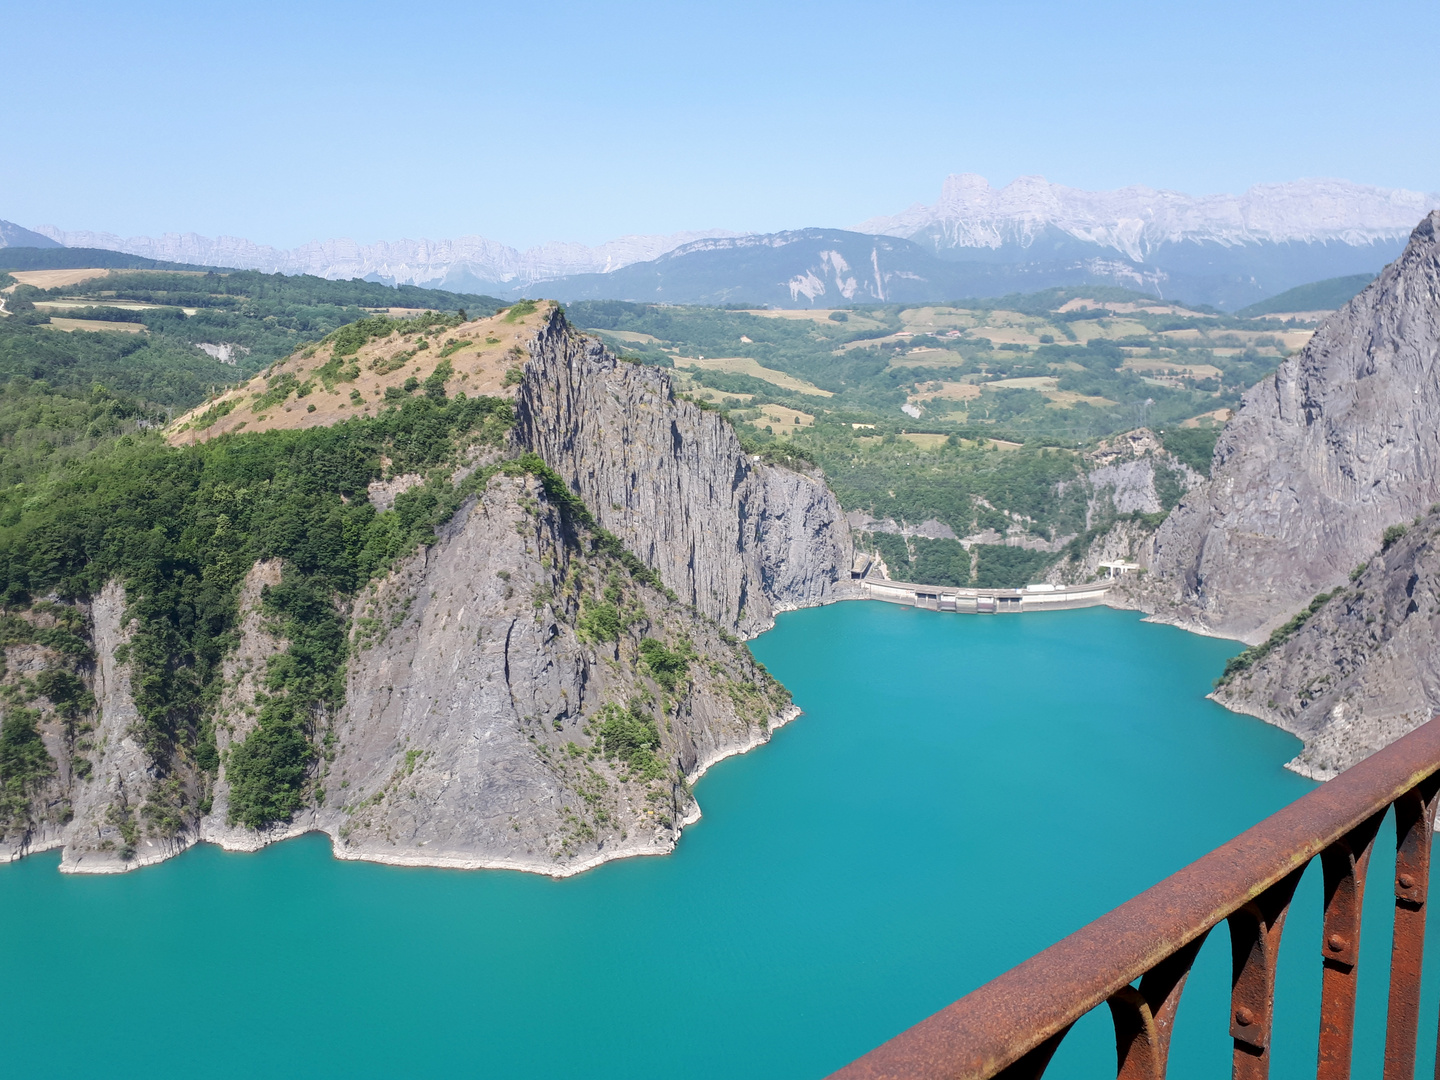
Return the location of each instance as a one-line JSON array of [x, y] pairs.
[[1345, 863], [1255, 931], [1414, 825], [1145, 1018]]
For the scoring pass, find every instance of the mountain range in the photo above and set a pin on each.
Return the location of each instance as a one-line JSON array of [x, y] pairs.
[[975, 240]]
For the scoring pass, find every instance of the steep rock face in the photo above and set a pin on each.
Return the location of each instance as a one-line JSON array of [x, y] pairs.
[[479, 724], [1342, 442], [1133, 473], [1363, 669], [1127, 477], [515, 696], [472, 730], [243, 675], [104, 788], [738, 539], [105, 835]]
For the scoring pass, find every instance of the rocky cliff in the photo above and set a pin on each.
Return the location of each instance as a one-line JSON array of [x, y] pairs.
[[490, 718], [1341, 443], [483, 726], [1362, 669], [1130, 481], [738, 539]]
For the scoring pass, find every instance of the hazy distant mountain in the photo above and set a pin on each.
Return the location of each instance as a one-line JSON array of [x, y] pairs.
[[976, 241], [1138, 222], [12, 235], [827, 268], [468, 264]]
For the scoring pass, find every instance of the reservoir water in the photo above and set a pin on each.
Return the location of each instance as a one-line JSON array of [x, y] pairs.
[[961, 792]]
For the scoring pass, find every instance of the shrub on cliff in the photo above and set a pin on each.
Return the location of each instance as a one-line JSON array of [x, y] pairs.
[[667, 666], [630, 735], [599, 622]]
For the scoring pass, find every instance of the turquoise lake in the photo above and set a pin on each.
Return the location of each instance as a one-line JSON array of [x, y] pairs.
[[961, 792]]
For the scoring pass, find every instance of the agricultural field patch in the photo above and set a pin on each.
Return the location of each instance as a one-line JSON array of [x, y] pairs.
[[1214, 418], [1068, 399], [1083, 303], [1147, 366], [1028, 382], [925, 440], [54, 279], [782, 421], [744, 365], [932, 318], [852, 319], [94, 325]]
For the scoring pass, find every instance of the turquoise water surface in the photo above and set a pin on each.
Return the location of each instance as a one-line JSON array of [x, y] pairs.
[[961, 792]]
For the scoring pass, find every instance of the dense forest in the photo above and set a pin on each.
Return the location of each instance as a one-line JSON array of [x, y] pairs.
[[180, 528]]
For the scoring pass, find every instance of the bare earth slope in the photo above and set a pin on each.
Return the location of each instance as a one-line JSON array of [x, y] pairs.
[[1342, 442]]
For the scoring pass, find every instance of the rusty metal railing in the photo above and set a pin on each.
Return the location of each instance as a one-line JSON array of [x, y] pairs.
[[1136, 958]]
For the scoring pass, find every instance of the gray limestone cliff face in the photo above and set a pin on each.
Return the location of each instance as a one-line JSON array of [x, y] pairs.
[[738, 539], [242, 676], [1364, 669], [1127, 475], [483, 711], [471, 733], [1342, 442], [94, 807]]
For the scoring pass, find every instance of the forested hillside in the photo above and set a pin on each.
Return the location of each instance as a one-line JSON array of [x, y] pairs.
[[193, 609]]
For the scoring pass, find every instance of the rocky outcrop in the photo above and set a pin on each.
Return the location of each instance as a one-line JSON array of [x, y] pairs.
[[106, 834], [736, 538], [1363, 669], [473, 733], [104, 788], [1129, 479], [479, 728], [1342, 442], [1123, 541], [236, 713]]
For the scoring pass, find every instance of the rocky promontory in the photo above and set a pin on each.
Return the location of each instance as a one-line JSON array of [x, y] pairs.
[[535, 686]]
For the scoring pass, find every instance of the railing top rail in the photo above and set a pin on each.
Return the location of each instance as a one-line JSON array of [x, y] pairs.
[[997, 1024]]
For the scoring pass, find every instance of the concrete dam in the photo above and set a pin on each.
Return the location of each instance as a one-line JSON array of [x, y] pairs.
[[986, 601]]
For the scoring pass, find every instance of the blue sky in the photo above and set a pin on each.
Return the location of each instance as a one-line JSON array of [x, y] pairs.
[[525, 123]]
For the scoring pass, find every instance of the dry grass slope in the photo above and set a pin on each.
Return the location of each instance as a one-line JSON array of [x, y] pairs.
[[485, 355]]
